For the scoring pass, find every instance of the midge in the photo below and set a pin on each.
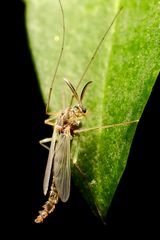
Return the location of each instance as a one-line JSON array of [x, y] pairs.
[[66, 124]]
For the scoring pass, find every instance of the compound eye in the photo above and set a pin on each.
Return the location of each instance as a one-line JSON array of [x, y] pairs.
[[84, 110]]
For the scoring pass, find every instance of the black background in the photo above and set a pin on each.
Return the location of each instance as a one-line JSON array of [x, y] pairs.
[[135, 206]]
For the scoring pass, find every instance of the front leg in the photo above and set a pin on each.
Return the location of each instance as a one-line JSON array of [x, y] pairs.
[[46, 140], [51, 120]]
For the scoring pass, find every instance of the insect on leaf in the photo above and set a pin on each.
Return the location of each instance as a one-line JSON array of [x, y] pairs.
[[122, 74]]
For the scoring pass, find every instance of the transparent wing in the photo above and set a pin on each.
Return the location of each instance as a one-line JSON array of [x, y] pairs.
[[49, 162], [62, 169]]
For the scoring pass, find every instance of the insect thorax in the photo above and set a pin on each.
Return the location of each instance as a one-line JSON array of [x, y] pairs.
[[70, 118]]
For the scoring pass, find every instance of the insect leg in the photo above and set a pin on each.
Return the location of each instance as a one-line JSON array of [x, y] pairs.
[[49, 121], [84, 176], [51, 113], [107, 126], [95, 52], [43, 141], [59, 58], [75, 157]]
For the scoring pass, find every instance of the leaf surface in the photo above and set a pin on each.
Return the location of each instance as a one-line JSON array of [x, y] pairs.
[[123, 74]]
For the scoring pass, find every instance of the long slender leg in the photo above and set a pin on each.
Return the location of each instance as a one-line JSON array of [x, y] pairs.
[[43, 141], [49, 121], [75, 157], [59, 58], [74, 160], [51, 113], [103, 127]]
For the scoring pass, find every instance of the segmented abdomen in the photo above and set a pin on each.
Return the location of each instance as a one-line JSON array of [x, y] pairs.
[[49, 206]]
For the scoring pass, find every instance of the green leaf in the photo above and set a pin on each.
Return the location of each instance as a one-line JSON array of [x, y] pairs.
[[123, 74]]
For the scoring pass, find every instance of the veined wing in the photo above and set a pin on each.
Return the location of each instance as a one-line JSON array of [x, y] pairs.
[[61, 168], [49, 162]]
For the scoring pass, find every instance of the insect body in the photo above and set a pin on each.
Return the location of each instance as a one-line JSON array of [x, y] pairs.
[[66, 123]]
